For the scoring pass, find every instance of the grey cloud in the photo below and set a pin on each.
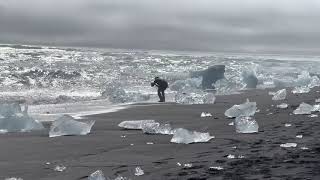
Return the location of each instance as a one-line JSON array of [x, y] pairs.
[[205, 25]]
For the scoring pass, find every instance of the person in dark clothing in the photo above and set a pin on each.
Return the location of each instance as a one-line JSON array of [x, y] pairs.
[[162, 86]]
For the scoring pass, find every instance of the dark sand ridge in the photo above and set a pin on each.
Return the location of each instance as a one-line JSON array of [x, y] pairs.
[[25, 154]]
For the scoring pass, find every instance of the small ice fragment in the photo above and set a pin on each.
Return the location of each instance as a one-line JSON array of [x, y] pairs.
[[60, 168], [205, 114], [48, 163], [138, 171], [282, 106], [287, 125], [216, 168], [150, 143], [269, 113], [230, 156], [313, 115], [157, 128], [67, 125], [301, 89], [304, 148], [240, 156], [13, 178], [272, 105], [231, 124], [123, 136], [317, 100], [303, 108], [97, 175], [138, 124], [186, 137], [299, 136], [188, 165], [287, 145], [246, 109], [131, 144], [280, 95], [234, 147], [119, 177], [258, 110], [179, 164], [246, 124]]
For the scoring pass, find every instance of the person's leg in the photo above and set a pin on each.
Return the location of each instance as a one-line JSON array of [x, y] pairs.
[[163, 96], [159, 94]]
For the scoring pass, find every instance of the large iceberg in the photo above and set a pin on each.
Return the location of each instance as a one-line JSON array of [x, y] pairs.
[[97, 175], [186, 137], [14, 119], [246, 109], [67, 125], [195, 97], [136, 124], [245, 124], [304, 108], [280, 95]]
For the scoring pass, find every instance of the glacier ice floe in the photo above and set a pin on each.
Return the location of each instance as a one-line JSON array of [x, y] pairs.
[[246, 109], [246, 124], [14, 119], [67, 125], [135, 124], [186, 137], [280, 95], [157, 128]]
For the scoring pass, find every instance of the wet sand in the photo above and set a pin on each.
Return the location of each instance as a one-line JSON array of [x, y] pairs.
[[25, 154]]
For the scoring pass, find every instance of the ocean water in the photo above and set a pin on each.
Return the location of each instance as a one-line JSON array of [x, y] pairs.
[[78, 80]]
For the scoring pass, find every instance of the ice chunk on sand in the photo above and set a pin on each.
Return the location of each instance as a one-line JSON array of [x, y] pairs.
[[316, 107], [138, 171], [137, 124], [13, 178], [14, 119], [246, 124], [157, 128], [67, 125], [98, 175], [317, 100], [286, 145], [282, 106], [186, 137], [287, 125], [246, 109], [280, 95], [205, 114], [299, 136], [304, 108], [301, 89], [60, 168], [218, 168]]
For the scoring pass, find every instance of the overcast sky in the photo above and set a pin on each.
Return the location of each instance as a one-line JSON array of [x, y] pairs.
[[287, 26]]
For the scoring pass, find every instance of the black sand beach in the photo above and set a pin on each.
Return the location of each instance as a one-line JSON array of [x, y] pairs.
[[25, 154]]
